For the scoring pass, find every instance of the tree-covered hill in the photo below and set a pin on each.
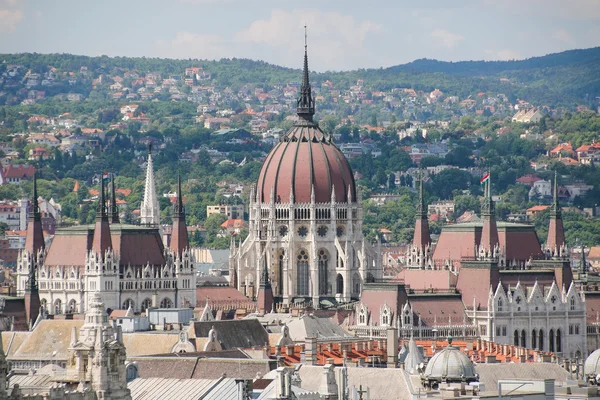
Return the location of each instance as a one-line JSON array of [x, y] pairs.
[[562, 79]]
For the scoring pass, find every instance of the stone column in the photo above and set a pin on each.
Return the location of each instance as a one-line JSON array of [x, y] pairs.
[[392, 348]]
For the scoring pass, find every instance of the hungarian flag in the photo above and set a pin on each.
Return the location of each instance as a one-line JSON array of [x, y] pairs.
[[106, 176], [485, 178]]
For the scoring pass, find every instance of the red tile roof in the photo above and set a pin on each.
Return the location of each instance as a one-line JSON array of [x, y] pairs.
[[18, 171], [219, 296], [233, 223], [528, 179]]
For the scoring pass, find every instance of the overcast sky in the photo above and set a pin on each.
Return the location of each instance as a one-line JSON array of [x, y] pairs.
[[342, 34]]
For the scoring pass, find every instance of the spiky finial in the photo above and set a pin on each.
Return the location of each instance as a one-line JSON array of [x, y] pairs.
[[421, 209], [179, 209], [555, 209], [101, 210], [488, 203], [35, 208], [306, 103], [114, 210]]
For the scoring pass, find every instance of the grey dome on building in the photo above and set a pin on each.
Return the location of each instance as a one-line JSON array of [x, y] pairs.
[[449, 365], [592, 363]]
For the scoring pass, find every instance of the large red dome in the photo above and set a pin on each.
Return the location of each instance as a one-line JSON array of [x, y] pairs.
[[306, 157]]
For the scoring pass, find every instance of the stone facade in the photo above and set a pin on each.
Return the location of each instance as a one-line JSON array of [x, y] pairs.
[[127, 264], [305, 221]]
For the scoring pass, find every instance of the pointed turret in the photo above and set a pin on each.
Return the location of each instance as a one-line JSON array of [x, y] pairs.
[[422, 238], [102, 240], [306, 103], [34, 243], [489, 233], [34, 240], [264, 299], [556, 232], [114, 210], [150, 210], [179, 237]]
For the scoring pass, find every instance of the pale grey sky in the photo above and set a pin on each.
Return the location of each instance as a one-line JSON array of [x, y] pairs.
[[343, 34]]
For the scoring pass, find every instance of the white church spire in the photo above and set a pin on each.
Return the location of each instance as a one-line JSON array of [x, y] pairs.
[[149, 210]]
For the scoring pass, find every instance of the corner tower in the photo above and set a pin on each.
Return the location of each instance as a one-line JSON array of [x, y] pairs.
[[420, 253], [31, 258], [101, 262], [489, 245]]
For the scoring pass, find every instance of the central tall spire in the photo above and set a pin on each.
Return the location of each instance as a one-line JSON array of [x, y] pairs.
[[306, 103], [150, 210]]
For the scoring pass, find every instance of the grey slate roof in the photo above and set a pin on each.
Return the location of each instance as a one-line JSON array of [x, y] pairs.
[[383, 383], [192, 366], [311, 326], [232, 334], [183, 389], [489, 374]]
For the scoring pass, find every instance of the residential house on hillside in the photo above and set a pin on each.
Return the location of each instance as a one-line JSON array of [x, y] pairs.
[[528, 180], [46, 139], [231, 211], [533, 211], [588, 153], [441, 208], [129, 108], [233, 227], [527, 116], [16, 173], [562, 150], [38, 153], [420, 150]]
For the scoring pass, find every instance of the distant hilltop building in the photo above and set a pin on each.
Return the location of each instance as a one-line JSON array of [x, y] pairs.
[[527, 116], [305, 243]]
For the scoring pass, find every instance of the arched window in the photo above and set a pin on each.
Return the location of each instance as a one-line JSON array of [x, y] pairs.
[[323, 273], [72, 307], [558, 341], [362, 316], [523, 338], [541, 341], [534, 339], [302, 273], [146, 304], [407, 317], [58, 306], [166, 303], [131, 372], [128, 303], [385, 317], [370, 278], [356, 283], [279, 273], [551, 341], [500, 304], [516, 338], [339, 284], [573, 303]]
